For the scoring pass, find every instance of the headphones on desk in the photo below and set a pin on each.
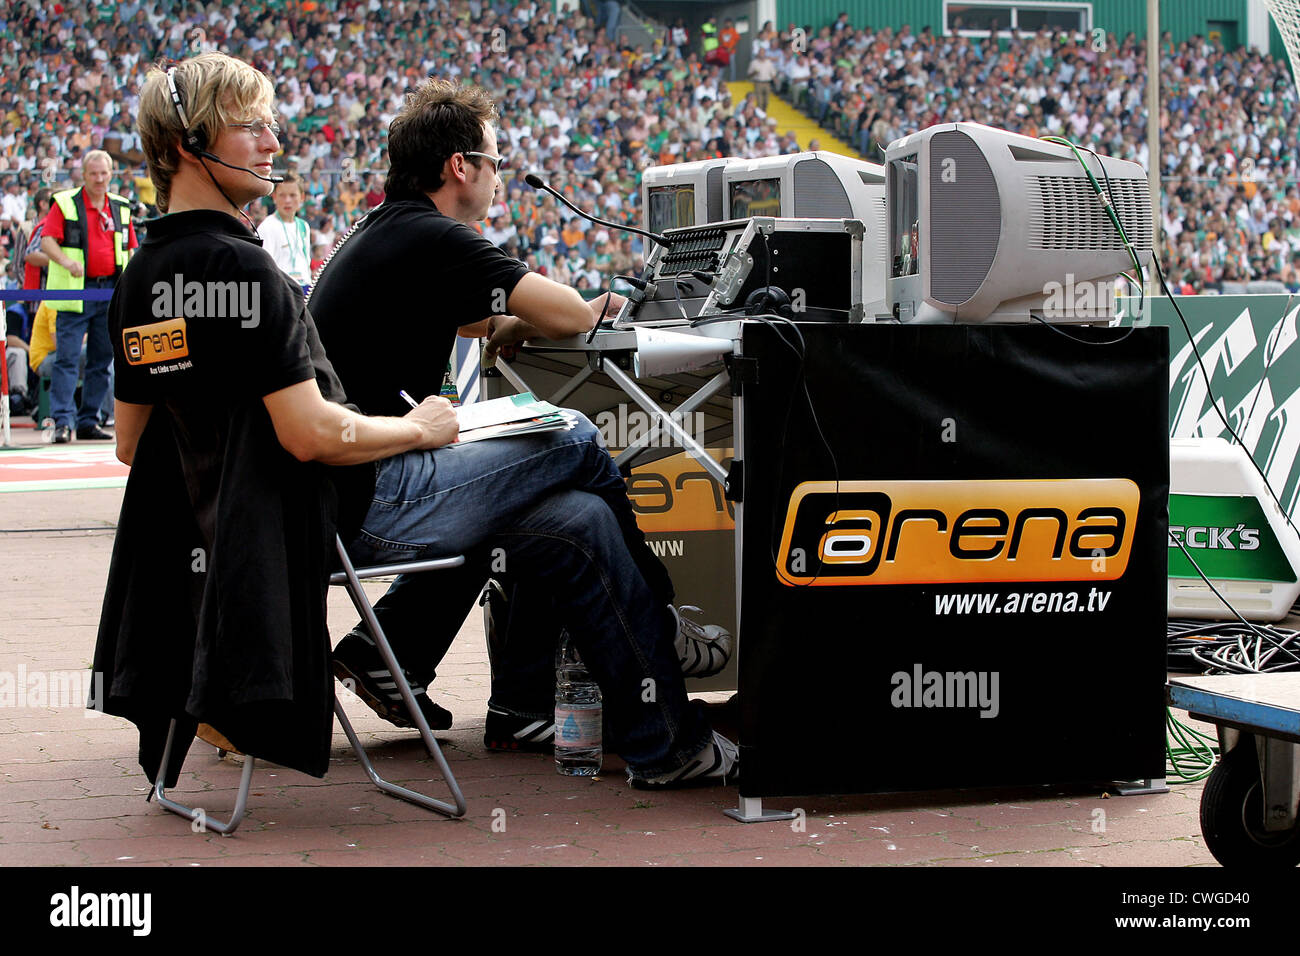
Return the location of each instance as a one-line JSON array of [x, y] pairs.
[[769, 299]]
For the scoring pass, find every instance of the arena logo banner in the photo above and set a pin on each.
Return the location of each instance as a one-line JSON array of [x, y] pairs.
[[957, 532], [949, 526]]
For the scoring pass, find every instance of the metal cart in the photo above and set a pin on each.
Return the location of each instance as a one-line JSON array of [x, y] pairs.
[[1249, 805]]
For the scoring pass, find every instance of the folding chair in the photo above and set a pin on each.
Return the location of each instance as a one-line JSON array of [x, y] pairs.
[[350, 578]]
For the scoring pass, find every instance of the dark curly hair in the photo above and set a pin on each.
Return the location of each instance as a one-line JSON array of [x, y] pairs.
[[439, 119]]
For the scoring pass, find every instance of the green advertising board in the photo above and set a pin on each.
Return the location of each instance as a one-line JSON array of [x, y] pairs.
[[1228, 536], [1248, 345]]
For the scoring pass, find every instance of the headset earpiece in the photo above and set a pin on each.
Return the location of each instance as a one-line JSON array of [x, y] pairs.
[[195, 139]]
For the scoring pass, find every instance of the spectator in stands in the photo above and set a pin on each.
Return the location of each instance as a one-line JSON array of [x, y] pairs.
[[14, 205], [285, 236], [611, 13], [762, 71], [871, 86], [728, 44]]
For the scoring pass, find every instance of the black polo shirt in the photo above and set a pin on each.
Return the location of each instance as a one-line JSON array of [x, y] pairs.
[[202, 320], [390, 300]]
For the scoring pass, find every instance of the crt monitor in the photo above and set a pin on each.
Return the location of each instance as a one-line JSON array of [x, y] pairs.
[[811, 185], [817, 185], [683, 194], [991, 226]]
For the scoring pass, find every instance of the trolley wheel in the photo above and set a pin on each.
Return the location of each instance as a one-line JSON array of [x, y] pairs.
[[1232, 816]]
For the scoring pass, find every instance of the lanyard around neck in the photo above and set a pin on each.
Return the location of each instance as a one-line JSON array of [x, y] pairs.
[[294, 251]]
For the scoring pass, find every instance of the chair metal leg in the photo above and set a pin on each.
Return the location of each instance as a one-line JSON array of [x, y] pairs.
[[402, 793], [199, 815], [362, 604], [352, 582]]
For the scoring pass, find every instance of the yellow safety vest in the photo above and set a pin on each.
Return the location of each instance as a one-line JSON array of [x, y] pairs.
[[72, 203], [710, 37]]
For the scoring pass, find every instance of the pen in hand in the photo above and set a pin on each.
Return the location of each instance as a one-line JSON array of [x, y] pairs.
[[414, 404]]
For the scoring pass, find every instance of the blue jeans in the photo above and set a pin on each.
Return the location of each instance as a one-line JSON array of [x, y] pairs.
[[46, 370], [554, 509], [611, 13], [92, 322], [523, 654]]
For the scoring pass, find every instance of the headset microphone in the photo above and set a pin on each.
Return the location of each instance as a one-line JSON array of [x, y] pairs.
[[217, 159], [196, 138]]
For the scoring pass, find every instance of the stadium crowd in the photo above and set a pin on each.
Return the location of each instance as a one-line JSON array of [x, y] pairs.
[[1229, 124], [589, 113]]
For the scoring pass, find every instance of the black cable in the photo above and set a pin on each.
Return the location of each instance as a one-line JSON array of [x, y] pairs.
[[1268, 363], [1209, 388], [1110, 194], [227, 198], [677, 297], [1060, 331], [800, 350], [1164, 285], [601, 318], [1256, 630]]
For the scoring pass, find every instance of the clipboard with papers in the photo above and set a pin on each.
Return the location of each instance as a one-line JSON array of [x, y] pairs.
[[511, 415]]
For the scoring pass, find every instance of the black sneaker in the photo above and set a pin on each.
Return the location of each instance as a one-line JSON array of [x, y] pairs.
[[359, 667], [505, 731], [92, 433], [702, 649], [716, 764]]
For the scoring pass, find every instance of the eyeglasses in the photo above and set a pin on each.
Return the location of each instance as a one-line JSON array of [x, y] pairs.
[[497, 161], [257, 127]]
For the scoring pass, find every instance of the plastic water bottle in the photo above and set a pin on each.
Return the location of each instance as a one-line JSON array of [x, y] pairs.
[[578, 713]]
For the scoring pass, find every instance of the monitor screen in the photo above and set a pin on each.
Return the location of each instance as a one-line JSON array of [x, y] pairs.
[[904, 217], [755, 197], [671, 207]]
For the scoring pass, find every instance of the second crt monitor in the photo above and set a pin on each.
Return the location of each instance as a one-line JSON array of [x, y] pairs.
[[991, 226]]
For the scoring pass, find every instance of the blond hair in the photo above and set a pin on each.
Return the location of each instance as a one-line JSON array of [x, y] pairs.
[[215, 89], [97, 154]]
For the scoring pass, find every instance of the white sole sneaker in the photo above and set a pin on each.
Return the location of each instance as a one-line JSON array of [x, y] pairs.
[[702, 649], [715, 765]]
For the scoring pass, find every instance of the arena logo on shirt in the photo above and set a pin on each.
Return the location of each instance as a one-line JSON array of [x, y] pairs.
[[209, 300], [159, 342]]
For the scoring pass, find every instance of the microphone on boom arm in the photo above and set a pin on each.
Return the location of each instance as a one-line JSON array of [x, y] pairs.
[[537, 182]]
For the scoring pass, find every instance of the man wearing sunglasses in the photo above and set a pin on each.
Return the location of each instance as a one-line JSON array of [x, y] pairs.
[[405, 280]]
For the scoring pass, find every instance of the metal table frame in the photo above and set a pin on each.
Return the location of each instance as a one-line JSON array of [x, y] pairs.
[[603, 354]]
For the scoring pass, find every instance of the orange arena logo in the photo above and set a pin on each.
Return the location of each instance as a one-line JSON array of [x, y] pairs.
[[159, 342], [957, 532]]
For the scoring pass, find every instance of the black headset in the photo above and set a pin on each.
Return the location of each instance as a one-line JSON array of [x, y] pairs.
[[769, 299], [196, 140]]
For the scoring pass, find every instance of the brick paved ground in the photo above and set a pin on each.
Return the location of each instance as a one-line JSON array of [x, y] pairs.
[[73, 793]]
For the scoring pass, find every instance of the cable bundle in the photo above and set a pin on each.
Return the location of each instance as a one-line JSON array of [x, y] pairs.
[[1232, 647], [1224, 647]]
